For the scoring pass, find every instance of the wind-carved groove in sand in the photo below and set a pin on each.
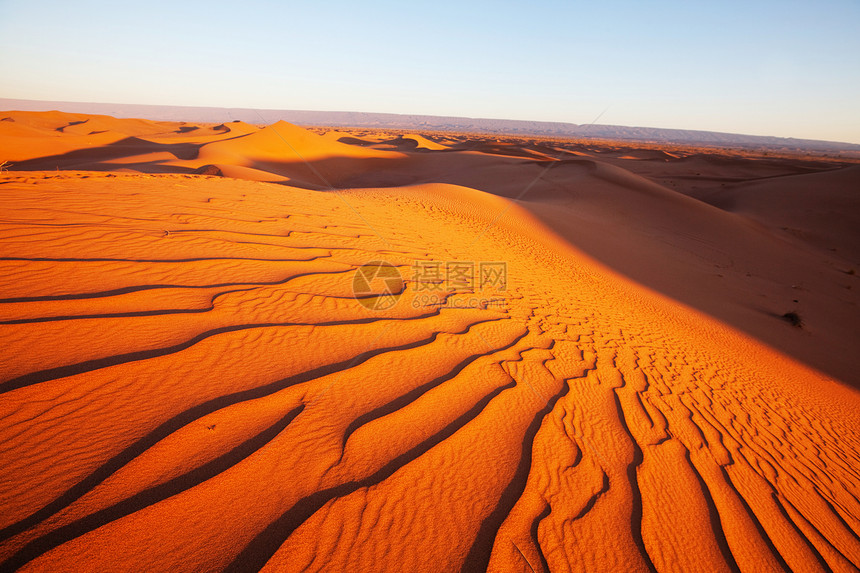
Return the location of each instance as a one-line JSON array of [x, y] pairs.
[[479, 555], [54, 373], [149, 496], [409, 397], [136, 288], [535, 536], [632, 471], [799, 532], [716, 525], [443, 299], [744, 504], [130, 314], [168, 261], [266, 543], [194, 413], [49, 374], [752, 455], [844, 561], [754, 519], [791, 524]]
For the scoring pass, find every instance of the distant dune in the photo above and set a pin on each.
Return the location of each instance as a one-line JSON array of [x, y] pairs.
[[232, 347], [437, 123]]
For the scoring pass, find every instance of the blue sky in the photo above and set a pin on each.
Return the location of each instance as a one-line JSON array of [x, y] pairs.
[[769, 68]]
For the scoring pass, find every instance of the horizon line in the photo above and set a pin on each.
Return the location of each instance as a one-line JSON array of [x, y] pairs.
[[798, 140]]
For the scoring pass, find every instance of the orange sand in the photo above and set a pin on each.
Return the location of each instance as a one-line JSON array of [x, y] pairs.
[[189, 383]]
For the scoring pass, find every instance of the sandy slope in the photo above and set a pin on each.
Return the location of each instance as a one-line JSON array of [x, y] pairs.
[[189, 382]]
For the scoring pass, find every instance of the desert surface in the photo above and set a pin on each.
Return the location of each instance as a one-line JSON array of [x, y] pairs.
[[264, 347]]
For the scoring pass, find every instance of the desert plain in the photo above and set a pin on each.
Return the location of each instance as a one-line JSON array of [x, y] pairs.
[[264, 347]]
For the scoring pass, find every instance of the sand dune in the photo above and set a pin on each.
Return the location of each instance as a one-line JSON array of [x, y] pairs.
[[284, 142], [410, 142], [817, 208], [191, 380]]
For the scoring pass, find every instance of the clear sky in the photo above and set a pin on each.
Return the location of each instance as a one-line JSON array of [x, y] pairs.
[[759, 67]]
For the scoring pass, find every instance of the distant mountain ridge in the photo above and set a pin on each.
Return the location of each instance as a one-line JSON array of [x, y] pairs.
[[433, 123]]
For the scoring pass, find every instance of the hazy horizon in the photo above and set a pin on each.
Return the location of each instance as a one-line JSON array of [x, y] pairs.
[[318, 118], [772, 69]]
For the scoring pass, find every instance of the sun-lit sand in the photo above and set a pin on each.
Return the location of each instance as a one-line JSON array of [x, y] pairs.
[[653, 368]]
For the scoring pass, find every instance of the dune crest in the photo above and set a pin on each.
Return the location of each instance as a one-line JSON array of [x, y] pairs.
[[284, 141]]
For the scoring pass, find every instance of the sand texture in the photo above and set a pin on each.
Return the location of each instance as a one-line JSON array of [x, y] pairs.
[[190, 382]]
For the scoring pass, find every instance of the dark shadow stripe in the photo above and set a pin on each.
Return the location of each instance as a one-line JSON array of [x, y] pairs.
[[533, 532], [632, 478], [713, 516], [186, 417], [194, 260], [49, 374], [417, 392], [137, 288], [482, 547], [267, 542], [149, 496]]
